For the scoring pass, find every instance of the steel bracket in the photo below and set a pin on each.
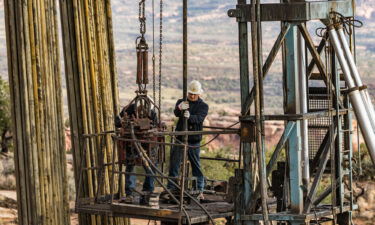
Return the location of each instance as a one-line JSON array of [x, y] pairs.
[[294, 11], [248, 131], [239, 13]]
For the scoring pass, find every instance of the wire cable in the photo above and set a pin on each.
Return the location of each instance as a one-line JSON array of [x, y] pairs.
[[216, 136], [149, 162]]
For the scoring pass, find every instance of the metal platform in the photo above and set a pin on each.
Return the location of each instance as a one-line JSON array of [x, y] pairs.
[[315, 214], [165, 213]]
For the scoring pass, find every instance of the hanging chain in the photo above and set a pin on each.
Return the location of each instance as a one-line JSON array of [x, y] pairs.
[[160, 51], [153, 52], [142, 18]]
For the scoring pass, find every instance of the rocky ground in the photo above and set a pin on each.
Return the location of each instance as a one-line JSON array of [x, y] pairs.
[[365, 215], [366, 204]]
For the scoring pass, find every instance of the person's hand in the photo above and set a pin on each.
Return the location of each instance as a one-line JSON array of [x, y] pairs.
[[183, 105], [187, 114]]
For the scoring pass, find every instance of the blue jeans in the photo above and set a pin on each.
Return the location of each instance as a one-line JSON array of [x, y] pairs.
[[193, 155], [130, 180]]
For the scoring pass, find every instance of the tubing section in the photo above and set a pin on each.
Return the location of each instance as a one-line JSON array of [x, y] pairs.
[[355, 96]]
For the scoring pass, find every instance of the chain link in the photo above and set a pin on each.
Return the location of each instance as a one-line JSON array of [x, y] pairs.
[[153, 52], [160, 52], [142, 18]]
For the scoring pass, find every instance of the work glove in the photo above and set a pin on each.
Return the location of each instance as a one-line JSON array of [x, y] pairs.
[[183, 105], [187, 114]]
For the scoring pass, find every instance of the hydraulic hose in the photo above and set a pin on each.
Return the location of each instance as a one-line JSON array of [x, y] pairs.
[[146, 162], [149, 162]]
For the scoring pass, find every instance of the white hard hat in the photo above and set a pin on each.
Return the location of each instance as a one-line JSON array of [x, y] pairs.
[[195, 88]]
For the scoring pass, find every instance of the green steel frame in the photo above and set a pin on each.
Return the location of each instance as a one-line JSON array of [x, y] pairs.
[[303, 203]]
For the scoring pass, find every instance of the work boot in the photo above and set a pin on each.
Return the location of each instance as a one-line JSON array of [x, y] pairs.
[[129, 199], [144, 199], [200, 196]]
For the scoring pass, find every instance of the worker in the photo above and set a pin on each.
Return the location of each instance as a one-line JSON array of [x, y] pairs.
[[131, 158], [195, 111]]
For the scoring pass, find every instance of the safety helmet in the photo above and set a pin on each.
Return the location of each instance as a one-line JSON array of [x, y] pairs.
[[195, 88]]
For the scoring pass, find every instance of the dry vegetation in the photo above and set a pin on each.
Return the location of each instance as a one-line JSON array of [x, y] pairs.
[[7, 176]]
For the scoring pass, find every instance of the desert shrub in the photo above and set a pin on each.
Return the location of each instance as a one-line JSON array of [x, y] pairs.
[[71, 183], [218, 170], [363, 168], [7, 173]]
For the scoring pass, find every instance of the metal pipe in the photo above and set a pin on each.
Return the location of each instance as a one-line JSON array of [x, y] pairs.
[[244, 197], [149, 142], [303, 109], [220, 128], [145, 175], [355, 97], [256, 31], [355, 74], [156, 169], [184, 73], [147, 162], [220, 159], [204, 132]]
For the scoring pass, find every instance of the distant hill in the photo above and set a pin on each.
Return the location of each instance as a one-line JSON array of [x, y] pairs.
[[213, 46], [213, 49]]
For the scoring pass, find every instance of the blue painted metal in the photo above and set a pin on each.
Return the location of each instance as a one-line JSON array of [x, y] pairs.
[[292, 104], [339, 139], [243, 203], [283, 139], [292, 134]]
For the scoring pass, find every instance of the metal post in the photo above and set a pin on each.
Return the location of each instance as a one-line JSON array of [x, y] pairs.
[[291, 86], [256, 31], [303, 109], [244, 201], [355, 74], [184, 73], [355, 97]]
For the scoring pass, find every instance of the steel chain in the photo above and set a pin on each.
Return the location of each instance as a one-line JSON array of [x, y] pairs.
[[142, 18], [153, 52], [160, 51]]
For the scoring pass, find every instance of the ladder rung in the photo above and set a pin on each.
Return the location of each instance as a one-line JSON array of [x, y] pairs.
[[318, 76], [350, 131]]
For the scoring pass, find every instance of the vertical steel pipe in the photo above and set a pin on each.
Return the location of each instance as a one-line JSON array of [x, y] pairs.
[[242, 202], [355, 74], [303, 109], [291, 106], [355, 97], [184, 74], [256, 31]]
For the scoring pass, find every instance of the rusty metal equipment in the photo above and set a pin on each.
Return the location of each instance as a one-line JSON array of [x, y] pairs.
[[143, 120], [140, 140], [316, 139], [317, 115]]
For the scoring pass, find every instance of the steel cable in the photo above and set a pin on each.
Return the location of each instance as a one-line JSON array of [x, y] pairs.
[[149, 162]]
